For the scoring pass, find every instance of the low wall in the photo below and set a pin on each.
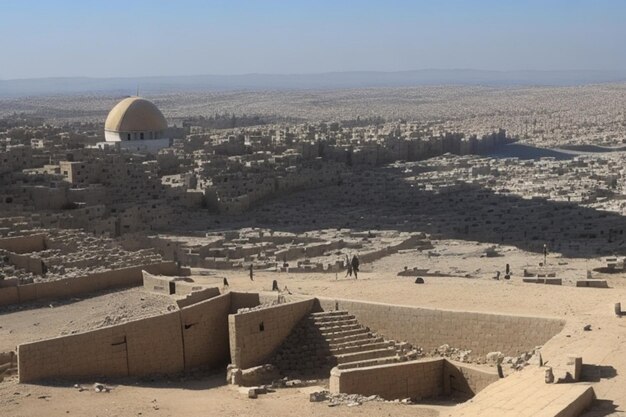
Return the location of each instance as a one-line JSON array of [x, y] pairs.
[[9, 295], [194, 337], [429, 328], [419, 379], [30, 263], [255, 335], [93, 354], [155, 345], [414, 379], [464, 381], [24, 244], [198, 296], [155, 283], [205, 332], [65, 288], [243, 300]]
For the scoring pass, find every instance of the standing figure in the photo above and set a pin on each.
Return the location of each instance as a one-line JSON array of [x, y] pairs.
[[348, 266], [251, 272], [355, 266]]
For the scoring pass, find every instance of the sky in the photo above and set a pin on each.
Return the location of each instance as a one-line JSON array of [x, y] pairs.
[[127, 38]]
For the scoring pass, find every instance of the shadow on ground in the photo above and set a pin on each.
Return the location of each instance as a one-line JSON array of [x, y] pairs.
[[594, 373], [387, 198], [196, 380]]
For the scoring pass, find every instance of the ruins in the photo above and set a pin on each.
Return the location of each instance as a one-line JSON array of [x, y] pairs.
[[155, 260]]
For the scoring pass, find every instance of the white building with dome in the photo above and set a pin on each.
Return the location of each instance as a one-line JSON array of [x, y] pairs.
[[136, 124]]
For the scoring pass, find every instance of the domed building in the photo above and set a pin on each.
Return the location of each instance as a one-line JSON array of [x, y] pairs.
[[136, 124]]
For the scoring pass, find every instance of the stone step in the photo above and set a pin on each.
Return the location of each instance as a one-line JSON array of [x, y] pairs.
[[329, 313], [370, 339], [361, 348], [403, 346], [328, 319], [343, 338], [343, 333], [347, 322], [370, 362], [365, 355], [341, 322], [341, 328]]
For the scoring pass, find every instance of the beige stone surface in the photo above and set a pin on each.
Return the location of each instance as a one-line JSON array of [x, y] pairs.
[[602, 348]]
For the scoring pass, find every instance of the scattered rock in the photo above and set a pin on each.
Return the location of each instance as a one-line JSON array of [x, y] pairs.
[[350, 400], [293, 383], [97, 387], [319, 396], [446, 351], [494, 357], [587, 328]]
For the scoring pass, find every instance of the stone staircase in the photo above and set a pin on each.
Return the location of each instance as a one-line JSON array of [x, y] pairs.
[[335, 338]]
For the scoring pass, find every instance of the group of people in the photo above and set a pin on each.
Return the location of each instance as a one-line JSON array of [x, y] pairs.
[[352, 266]]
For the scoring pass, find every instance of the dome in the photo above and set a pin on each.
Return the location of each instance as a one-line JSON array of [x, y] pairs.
[[135, 114]]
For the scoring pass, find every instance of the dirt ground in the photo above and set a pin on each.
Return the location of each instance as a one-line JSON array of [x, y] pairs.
[[603, 348], [36, 321], [203, 397]]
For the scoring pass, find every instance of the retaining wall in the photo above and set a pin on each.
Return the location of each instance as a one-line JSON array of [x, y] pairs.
[[205, 332], [198, 296], [413, 379], [464, 381], [419, 379], [429, 328], [30, 263], [142, 347], [255, 335], [24, 244], [194, 337], [66, 288]]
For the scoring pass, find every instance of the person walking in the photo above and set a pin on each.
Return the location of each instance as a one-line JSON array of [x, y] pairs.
[[355, 266], [348, 266], [251, 272]]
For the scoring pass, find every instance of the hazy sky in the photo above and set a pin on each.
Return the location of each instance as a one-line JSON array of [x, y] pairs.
[[112, 38]]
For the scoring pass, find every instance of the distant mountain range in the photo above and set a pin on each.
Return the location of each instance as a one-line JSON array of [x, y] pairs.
[[330, 80]]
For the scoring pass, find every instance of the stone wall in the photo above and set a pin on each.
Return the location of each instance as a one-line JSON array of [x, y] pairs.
[[419, 379], [24, 244], [461, 380], [93, 354], [429, 328], [155, 345], [66, 288], [142, 347], [414, 379], [243, 300], [255, 335], [198, 296], [205, 332], [9, 295], [194, 337], [29, 263]]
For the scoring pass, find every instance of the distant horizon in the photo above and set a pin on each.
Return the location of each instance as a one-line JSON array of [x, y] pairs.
[[356, 71], [154, 84]]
